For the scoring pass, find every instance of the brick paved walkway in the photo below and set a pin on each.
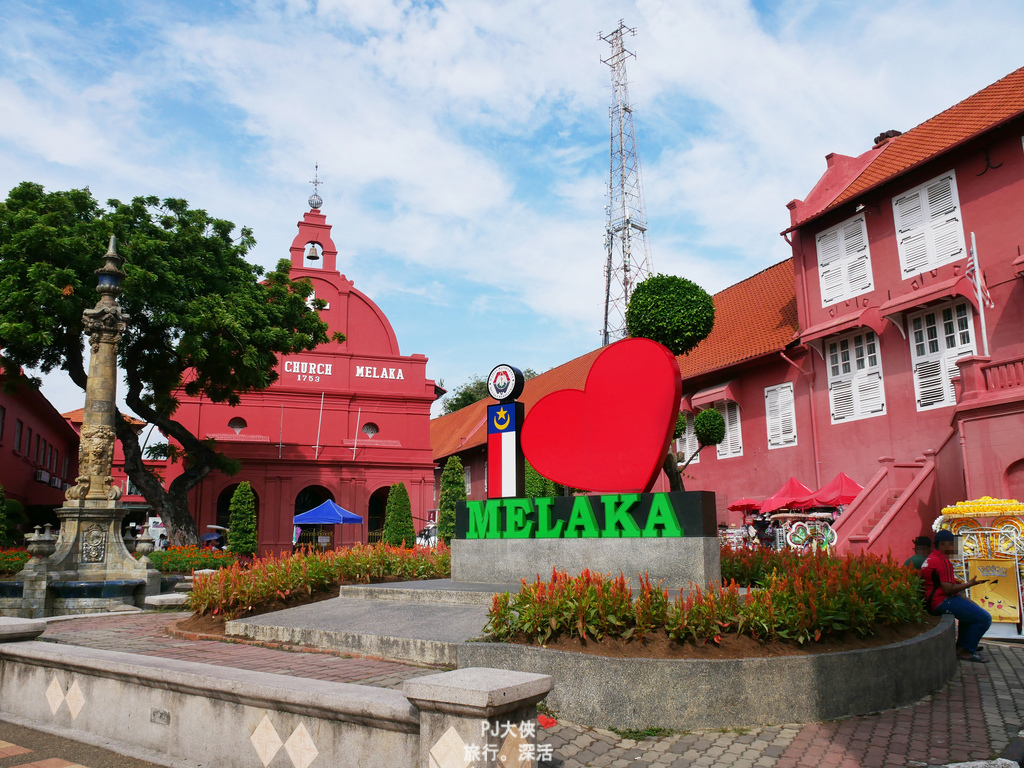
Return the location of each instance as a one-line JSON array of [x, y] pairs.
[[973, 718], [146, 634]]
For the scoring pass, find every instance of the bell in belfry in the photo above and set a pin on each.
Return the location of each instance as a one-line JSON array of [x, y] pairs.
[[312, 254]]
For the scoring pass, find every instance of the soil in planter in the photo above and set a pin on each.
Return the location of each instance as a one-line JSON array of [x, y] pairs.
[[658, 645]]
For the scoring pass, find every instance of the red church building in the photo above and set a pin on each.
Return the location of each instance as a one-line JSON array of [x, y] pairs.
[[343, 422], [868, 352]]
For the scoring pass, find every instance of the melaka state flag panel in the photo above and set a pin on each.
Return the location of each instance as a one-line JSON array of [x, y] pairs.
[[502, 450]]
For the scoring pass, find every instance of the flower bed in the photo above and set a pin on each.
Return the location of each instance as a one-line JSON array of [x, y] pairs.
[[188, 559], [273, 582], [803, 598], [12, 560]]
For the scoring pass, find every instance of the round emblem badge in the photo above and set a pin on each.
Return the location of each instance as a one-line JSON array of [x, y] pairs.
[[505, 383]]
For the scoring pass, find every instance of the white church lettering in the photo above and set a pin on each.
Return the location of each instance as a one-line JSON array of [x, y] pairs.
[[307, 371], [372, 372]]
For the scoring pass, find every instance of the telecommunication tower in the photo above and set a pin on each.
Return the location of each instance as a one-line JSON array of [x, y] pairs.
[[628, 258]]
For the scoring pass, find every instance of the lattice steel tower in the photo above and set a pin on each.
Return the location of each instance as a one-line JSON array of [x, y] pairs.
[[625, 238]]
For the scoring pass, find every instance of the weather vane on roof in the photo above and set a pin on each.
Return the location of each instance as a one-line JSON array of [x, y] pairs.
[[315, 201]]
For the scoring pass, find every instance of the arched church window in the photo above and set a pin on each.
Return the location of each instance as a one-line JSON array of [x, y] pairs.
[[370, 429], [237, 424]]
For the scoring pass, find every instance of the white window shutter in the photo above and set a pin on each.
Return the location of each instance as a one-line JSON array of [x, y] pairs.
[[930, 383], [870, 394], [840, 394], [732, 445], [780, 415], [828, 247], [929, 230], [844, 261]]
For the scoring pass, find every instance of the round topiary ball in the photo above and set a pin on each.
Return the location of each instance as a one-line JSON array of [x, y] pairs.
[[671, 310], [709, 427]]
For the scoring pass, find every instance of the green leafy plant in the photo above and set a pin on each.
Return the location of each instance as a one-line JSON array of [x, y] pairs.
[[398, 528], [242, 539], [453, 490], [671, 310], [188, 559]]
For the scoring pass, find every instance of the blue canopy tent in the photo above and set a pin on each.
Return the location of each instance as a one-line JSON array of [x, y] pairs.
[[327, 513]]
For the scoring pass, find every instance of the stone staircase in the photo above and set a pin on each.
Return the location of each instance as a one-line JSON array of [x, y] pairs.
[[863, 532]]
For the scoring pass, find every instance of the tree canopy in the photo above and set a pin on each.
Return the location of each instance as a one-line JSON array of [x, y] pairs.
[[473, 390], [453, 490], [203, 319], [678, 313]]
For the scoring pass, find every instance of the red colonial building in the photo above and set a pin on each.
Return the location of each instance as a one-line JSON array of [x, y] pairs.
[[342, 422], [868, 352], [38, 451]]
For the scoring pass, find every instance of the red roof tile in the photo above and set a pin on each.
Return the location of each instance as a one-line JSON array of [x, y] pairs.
[[752, 318], [76, 416], [985, 110]]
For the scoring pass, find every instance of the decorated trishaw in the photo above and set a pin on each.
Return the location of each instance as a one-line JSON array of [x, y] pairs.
[[991, 547]]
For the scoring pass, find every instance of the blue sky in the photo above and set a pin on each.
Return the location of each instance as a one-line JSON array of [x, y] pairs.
[[463, 145]]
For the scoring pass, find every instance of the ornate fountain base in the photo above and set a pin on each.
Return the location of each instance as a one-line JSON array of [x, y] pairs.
[[88, 568]]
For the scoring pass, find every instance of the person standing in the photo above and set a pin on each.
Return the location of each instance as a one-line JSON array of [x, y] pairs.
[[944, 595], [922, 548]]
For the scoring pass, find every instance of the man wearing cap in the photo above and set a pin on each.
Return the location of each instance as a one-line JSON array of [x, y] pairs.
[[922, 548], [944, 595]]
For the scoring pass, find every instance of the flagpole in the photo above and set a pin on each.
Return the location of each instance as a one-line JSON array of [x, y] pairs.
[[320, 421], [977, 289]]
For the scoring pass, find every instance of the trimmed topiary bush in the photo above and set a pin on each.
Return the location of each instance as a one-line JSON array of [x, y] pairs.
[[453, 490], [398, 530], [671, 310], [242, 528]]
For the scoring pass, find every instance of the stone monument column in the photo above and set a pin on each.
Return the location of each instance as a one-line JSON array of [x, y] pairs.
[[91, 569]]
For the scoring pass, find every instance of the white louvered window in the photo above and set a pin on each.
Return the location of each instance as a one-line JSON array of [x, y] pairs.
[[469, 480], [687, 444], [780, 415], [732, 445], [855, 388], [939, 336], [929, 230], [844, 261]]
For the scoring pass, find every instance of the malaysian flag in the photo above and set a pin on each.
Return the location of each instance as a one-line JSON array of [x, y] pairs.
[[975, 276]]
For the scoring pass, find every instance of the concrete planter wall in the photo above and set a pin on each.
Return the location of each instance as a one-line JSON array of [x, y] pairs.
[[189, 715], [698, 694]]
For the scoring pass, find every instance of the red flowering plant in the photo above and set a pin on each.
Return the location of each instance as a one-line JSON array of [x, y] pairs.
[[271, 581], [12, 560], [800, 598]]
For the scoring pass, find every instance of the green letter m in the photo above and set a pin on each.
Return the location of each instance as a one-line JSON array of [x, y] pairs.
[[483, 519]]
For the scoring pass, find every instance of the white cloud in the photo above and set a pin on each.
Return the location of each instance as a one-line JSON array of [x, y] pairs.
[[464, 144]]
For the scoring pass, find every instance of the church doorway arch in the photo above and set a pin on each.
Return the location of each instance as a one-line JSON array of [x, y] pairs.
[[375, 514], [316, 536]]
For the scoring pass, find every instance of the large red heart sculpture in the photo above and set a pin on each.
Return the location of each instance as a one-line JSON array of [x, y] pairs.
[[613, 434]]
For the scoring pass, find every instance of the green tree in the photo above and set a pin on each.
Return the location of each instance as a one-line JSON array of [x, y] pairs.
[[538, 486], [680, 314], [473, 390], [453, 490], [203, 319], [242, 538], [398, 530]]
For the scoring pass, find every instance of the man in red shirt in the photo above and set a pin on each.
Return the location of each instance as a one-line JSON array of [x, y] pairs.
[[944, 595]]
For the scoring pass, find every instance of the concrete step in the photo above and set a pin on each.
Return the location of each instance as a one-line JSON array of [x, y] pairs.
[[428, 591], [420, 632], [166, 600]]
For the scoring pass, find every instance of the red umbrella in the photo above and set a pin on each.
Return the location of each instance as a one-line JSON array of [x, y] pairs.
[[744, 505], [785, 496], [841, 490]]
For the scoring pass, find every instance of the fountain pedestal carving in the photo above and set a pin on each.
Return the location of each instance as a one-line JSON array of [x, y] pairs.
[[90, 569]]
